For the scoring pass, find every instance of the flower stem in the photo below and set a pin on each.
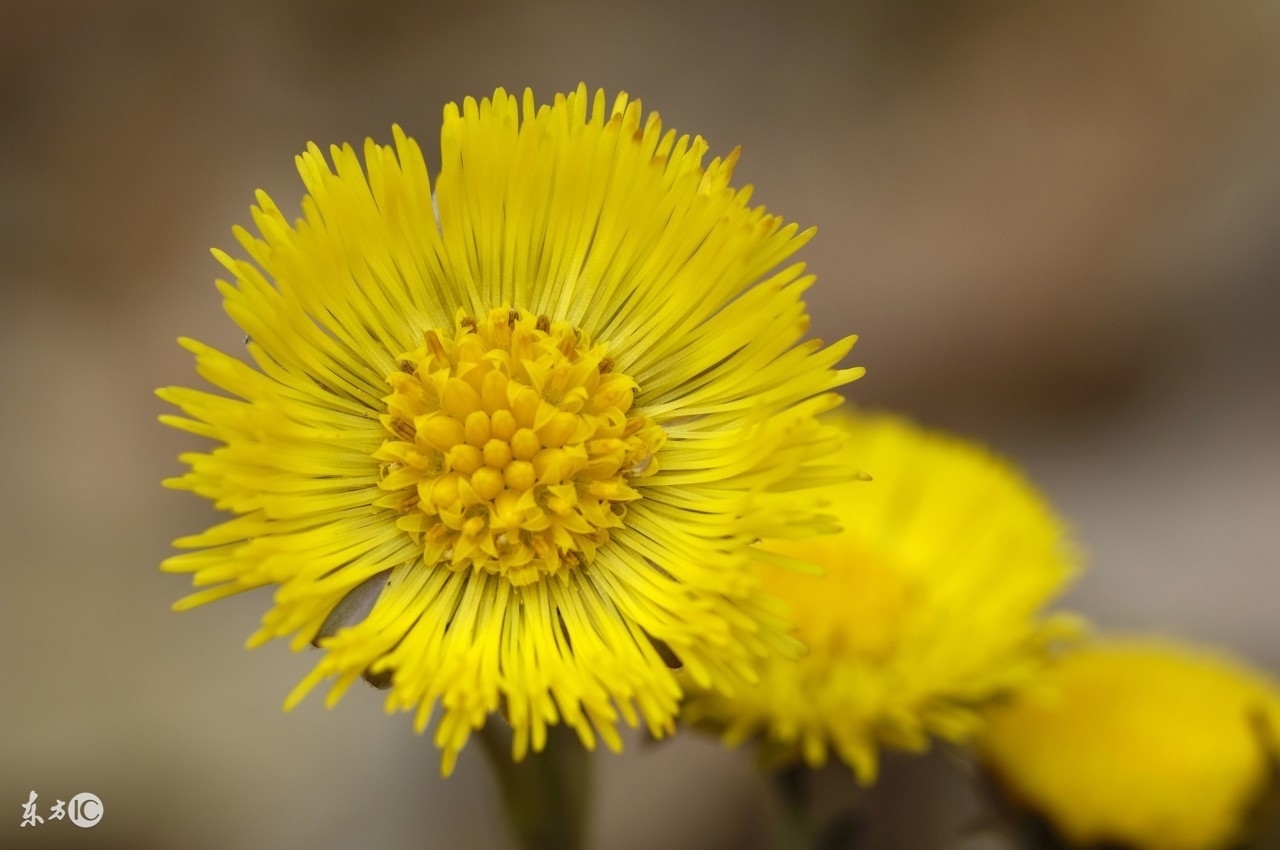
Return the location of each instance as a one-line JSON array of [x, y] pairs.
[[803, 822], [547, 796], [792, 828]]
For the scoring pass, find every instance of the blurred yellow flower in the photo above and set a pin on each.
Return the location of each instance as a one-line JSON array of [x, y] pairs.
[[930, 606], [1140, 743], [508, 442]]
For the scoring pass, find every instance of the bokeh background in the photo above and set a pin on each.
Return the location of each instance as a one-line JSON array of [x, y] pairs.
[[1055, 227]]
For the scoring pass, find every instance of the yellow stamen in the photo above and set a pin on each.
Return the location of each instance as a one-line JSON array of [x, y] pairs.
[[494, 426]]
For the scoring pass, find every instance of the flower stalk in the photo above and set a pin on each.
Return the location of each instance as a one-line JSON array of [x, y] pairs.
[[792, 827], [547, 795], [802, 822]]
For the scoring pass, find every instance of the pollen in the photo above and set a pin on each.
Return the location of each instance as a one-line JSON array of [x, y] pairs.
[[511, 446]]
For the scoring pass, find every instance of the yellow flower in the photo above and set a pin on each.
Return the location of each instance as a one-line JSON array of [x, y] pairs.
[[508, 441], [928, 608], [1140, 743]]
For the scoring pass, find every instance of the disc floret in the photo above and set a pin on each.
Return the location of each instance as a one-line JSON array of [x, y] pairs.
[[512, 446]]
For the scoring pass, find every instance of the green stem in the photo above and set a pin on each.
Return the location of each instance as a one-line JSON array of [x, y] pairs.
[[547, 796], [793, 828], [802, 821]]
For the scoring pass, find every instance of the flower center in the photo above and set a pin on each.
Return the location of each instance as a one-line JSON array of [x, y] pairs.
[[512, 446], [858, 609]]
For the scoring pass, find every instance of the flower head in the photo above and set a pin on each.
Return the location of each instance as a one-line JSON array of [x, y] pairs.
[[505, 443], [1142, 744], [929, 606]]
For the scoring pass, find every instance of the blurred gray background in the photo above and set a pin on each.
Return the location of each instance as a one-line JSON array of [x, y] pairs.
[[1054, 226]]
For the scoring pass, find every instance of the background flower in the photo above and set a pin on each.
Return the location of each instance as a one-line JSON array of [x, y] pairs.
[[1140, 743], [930, 606]]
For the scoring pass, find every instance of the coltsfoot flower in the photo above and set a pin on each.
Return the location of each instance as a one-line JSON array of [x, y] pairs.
[[1142, 744], [930, 605], [504, 445]]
